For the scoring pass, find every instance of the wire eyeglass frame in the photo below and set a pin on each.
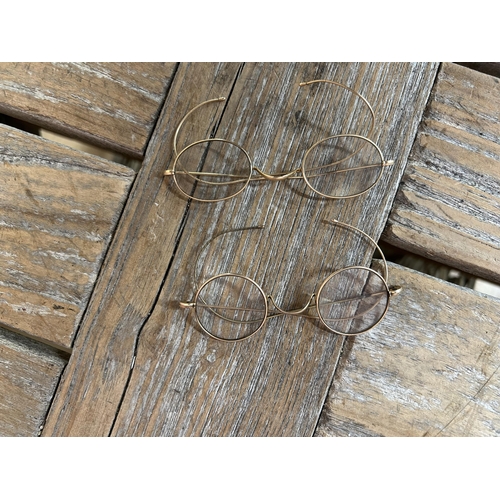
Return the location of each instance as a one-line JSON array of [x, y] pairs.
[[297, 173], [305, 311]]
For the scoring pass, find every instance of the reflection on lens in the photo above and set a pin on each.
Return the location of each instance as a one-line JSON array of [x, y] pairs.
[[231, 307], [353, 300], [342, 166], [212, 169]]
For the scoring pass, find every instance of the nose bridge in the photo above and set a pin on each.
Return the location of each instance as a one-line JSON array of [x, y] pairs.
[[292, 312], [276, 177]]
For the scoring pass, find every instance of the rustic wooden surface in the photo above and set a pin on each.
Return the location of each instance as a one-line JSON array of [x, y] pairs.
[[58, 210], [431, 368], [448, 205], [140, 366], [29, 374], [114, 105]]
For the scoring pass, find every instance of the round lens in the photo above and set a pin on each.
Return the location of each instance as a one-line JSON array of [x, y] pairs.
[[342, 166], [352, 300], [212, 170], [231, 307]]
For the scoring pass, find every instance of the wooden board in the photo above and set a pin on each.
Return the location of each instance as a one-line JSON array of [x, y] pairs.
[[58, 210], [448, 204], [29, 373], [114, 105], [140, 366], [431, 368]]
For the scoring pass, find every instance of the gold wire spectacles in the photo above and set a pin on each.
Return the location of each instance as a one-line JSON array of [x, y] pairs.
[[338, 166], [232, 307]]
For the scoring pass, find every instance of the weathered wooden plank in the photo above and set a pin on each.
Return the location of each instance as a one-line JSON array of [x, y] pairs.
[[114, 105], [29, 373], [183, 383], [93, 383], [431, 369], [58, 209], [448, 204]]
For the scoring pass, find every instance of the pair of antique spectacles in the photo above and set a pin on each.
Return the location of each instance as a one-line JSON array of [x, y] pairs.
[[338, 166], [233, 307]]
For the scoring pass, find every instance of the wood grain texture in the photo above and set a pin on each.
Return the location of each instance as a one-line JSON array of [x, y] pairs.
[[95, 379], [29, 373], [58, 209], [431, 368], [448, 204], [114, 105], [153, 372]]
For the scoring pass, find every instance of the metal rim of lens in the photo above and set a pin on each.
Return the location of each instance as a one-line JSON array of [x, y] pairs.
[[225, 275], [215, 139], [369, 141], [363, 268]]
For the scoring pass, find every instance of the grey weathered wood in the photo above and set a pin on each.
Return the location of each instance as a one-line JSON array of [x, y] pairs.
[[114, 105], [29, 373], [430, 369], [448, 205], [58, 210], [95, 379], [182, 383]]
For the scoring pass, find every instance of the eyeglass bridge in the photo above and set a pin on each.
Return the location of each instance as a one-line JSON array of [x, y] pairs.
[[276, 177], [293, 312]]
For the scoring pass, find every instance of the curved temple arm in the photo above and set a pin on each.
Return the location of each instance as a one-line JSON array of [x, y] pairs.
[[218, 99], [211, 240], [357, 94], [338, 223]]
